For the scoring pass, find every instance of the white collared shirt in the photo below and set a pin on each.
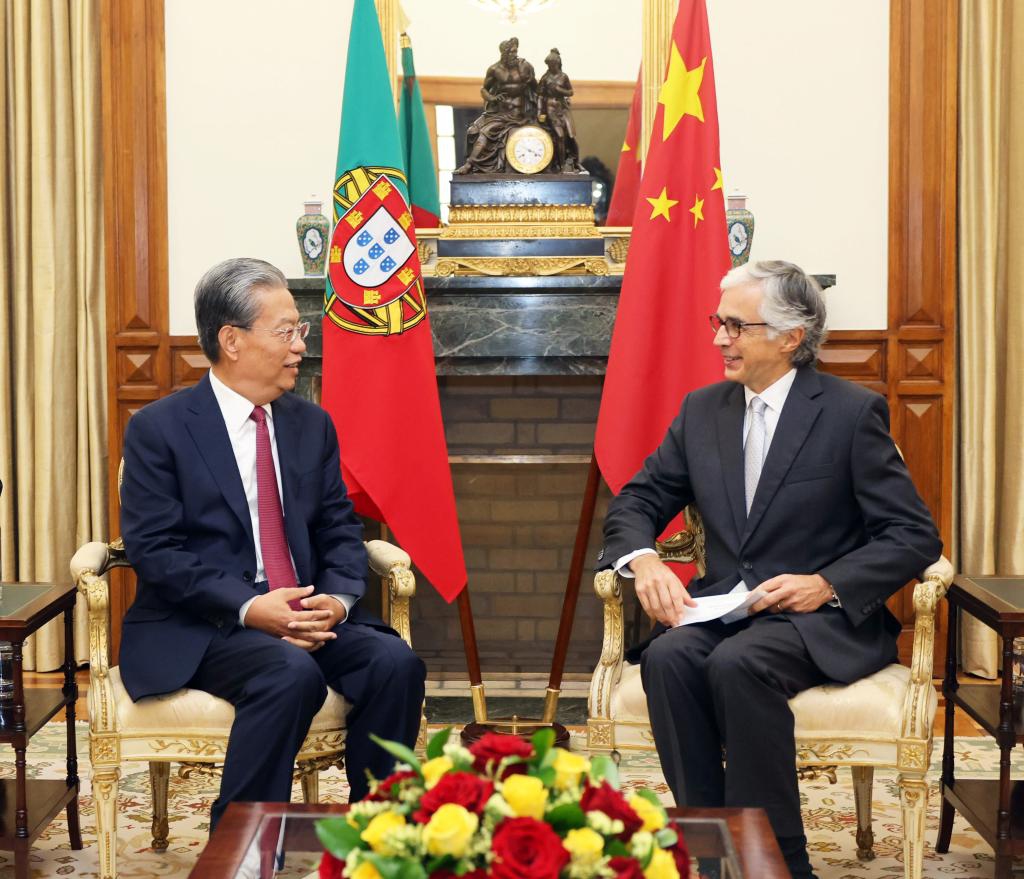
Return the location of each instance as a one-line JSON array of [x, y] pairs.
[[236, 411], [774, 397]]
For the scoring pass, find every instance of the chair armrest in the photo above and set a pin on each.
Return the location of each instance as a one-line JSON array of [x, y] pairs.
[[608, 586], [935, 581], [393, 565], [88, 567]]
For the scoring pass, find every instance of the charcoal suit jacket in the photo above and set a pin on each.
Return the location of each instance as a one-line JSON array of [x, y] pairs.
[[834, 498], [188, 533]]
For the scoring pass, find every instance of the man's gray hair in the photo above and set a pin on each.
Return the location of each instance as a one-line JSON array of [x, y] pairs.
[[224, 297], [792, 299]]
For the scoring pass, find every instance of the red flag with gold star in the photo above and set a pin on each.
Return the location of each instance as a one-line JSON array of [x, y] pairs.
[[627, 175], [661, 346]]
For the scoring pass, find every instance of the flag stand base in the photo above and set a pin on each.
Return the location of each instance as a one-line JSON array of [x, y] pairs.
[[524, 727]]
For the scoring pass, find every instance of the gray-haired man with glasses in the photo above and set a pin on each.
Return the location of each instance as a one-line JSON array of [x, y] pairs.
[[249, 555], [803, 494]]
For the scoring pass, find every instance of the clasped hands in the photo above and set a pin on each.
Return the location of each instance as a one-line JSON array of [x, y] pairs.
[[663, 596], [309, 628]]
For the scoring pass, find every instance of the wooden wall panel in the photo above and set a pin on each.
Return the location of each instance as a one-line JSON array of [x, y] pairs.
[[135, 227]]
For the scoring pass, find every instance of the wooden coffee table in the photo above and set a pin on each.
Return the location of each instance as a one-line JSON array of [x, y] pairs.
[[28, 805], [740, 839]]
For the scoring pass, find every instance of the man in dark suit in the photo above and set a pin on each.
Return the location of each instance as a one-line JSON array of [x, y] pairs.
[[249, 555], [803, 494]]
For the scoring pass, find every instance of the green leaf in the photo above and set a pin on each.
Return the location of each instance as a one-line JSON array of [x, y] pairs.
[[546, 774], [603, 768], [542, 741], [615, 847], [435, 747], [666, 837], [395, 868], [399, 752], [652, 798], [338, 836], [568, 816]]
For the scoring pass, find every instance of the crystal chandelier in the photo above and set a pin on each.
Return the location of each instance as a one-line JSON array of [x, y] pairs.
[[512, 9]]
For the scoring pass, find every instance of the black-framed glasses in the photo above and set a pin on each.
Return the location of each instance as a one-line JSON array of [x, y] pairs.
[[287, 335], [733, 327]]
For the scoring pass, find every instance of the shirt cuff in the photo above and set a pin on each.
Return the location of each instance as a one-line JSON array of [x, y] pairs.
[[348, 602], [622, 565], [244, 609]]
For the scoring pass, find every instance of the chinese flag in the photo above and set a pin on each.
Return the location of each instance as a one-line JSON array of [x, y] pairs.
[[379, 383], [661, 346], [627, 175]]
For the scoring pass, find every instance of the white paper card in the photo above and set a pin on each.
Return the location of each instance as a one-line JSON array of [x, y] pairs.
[[729, 607]]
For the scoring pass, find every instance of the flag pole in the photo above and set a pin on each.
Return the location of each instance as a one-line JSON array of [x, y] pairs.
[[572, 591], [476, 684]]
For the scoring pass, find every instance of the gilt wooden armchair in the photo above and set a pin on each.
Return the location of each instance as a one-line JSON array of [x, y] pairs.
[[190, 727], [882, 720]]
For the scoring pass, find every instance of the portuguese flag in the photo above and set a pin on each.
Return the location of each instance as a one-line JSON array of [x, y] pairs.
[[379, 384], [419, 160]]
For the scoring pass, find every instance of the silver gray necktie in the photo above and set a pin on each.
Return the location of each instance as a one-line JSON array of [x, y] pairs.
[[753, 450]]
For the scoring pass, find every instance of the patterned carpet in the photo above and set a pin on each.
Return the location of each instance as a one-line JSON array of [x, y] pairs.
[[828, 814]]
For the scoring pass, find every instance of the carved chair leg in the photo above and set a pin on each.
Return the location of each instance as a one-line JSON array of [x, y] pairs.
[[863, 776], [309, 777], [421, 736], [913, 799], [159, 773], [104, 793]]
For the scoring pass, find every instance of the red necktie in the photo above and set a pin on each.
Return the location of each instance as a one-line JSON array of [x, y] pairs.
[[277, 561]]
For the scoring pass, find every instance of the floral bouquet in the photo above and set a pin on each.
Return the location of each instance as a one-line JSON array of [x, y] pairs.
[[502, 809]]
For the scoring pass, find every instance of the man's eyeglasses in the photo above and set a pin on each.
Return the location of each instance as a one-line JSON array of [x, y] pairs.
[[733, 327], [287, 335]]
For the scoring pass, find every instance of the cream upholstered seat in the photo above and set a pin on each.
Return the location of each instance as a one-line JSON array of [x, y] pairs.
[[882, 720], [190, 727]]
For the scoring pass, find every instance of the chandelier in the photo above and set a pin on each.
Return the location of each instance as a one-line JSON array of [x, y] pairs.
[[512, 9]]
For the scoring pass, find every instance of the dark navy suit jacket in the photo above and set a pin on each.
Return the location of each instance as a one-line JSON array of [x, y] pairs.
[[834, 498], [188, 533]]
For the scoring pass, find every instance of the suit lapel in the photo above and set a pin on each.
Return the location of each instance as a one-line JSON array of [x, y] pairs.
[[798, 416], [210, 434], [286, 437], [730, 450]]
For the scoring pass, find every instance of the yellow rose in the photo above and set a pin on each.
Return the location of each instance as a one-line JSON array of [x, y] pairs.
[[648, 813], [568, 768], [366, 870], [450, 830], [433, 770], [526, 795], [662, 866], [585, 845], [378, 827]]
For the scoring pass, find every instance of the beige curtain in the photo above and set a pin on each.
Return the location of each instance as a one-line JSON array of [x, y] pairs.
[[52, 342], [991, 304]]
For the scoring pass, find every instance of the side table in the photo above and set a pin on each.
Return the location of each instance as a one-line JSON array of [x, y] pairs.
[[28, 805], [993, 808]]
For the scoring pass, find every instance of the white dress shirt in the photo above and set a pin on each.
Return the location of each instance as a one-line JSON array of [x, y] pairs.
[[236, 411], [774, 397]]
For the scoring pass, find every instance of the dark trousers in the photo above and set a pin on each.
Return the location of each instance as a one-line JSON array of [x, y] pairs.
[[713, 685], [277, 689]]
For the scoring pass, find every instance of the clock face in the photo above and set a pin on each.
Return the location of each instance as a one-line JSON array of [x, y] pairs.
[[529, 149], [737, 238], [313, 243]]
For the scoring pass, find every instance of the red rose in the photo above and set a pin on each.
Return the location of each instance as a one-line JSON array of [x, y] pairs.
[[527, 849], [629, 868], [330, 867], [492, 748], [388, 788], [604, 798], [464, 788]]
